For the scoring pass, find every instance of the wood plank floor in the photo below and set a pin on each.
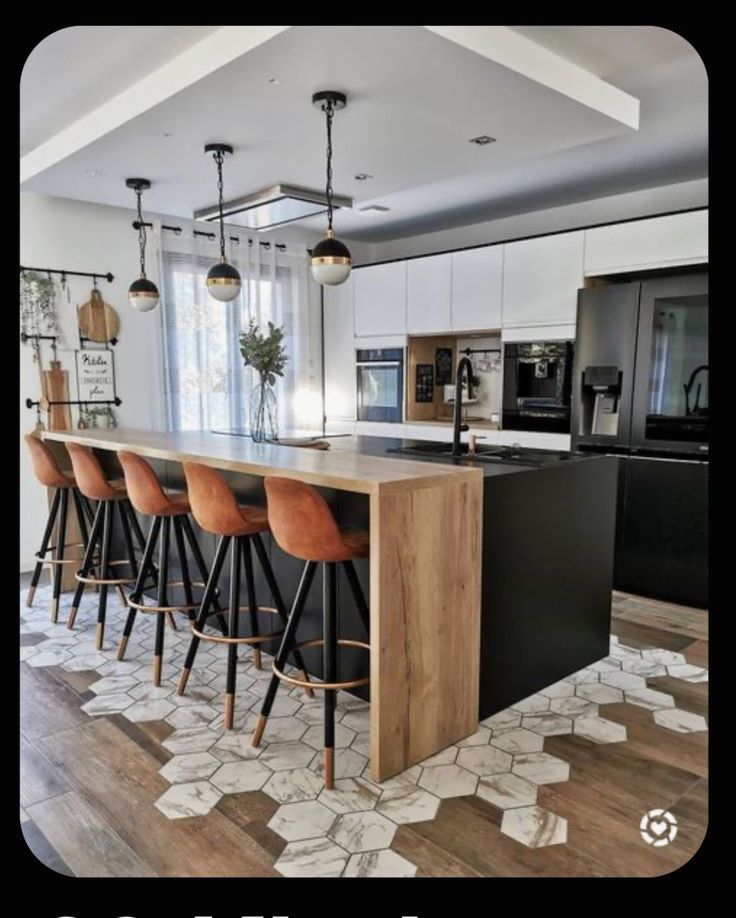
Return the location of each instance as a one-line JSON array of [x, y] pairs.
[[88, 787]]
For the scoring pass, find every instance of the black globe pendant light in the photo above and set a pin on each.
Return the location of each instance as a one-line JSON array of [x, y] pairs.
[[142, 294], [223, 281], [331, 259]]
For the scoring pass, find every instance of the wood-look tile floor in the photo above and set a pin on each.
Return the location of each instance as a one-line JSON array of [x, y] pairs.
[[555, 788]]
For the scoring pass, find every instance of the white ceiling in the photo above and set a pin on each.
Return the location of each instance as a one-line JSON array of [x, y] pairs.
[[414, 101]]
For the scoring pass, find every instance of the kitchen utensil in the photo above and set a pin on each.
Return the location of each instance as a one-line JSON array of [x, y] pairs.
[[97, 320], [57, 390]]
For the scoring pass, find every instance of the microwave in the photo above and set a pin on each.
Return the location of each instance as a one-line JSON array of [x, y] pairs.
[[537, 385]]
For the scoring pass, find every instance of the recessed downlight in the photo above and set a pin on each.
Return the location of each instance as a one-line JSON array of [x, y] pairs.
[[362, 177], [374, 209], [482, 140], [274, 81]]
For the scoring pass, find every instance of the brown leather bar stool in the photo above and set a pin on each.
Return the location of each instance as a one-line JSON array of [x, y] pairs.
[[167, 512], [303, 525], [216, 511], [48, 473], [92, 483]]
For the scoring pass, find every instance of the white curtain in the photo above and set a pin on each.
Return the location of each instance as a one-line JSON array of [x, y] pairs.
[[207, 386]]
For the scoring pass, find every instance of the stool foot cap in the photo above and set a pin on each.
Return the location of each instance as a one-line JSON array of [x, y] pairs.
[[229, 710], [307, 691], [258, 732], [55, 610], [122, 647], [256, 658], [29, 596], [183, 679], [99, 635], [72, 617], [329, 768], [157, 670]]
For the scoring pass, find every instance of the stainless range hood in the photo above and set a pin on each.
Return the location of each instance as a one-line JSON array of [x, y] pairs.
[[273, 207]]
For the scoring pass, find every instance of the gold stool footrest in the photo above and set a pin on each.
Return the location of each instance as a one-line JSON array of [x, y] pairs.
[[183, 607], [97, 581], [319, 642], [60, 560], [221, 639]]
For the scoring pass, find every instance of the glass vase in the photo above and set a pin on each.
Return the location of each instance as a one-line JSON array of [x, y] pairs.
[[263, 413]]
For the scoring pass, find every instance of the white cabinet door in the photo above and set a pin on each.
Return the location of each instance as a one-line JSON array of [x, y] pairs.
[[340, 378], [428, 294], [541, 279], [380, 299], [477, 276], [679, 239]]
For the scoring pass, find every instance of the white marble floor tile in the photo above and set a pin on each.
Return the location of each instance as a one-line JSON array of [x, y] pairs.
[[190, 739], [541, 767], [113, 703], [315, 736], [624, 652], [147, 691], [680, 721], [665, 657], [518, 740], [236, 777], [236, 747], [561, 689], [315, 858], [547, 724], [506, 791], [599, 693], [143, 711], [379, 864], [532, 705], [644, 668], [119, 668], [299, 821], [606, 665], [448, 781], [650, 699], [282, 756], [348, 763], [285, 730], [626, 681], [443, 757], [26, 652], [688, 672], [48, 658], [85, 662], [479, 738], [194, 715], [504, 720], [358, 719], [574, 707], [283, 706], [357, 832], [294, 786], [182, 800], [408, 777], [584, 676], [408, 803], [350, 795], [113, 684], [534, 826], [600, 730], [484, 760], [193, 766], [361, 743], [198, 694]]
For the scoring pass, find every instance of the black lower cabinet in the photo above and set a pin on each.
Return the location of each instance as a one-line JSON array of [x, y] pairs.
[[662, 546]]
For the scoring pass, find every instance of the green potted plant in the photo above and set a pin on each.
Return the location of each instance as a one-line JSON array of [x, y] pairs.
[[266, 354]]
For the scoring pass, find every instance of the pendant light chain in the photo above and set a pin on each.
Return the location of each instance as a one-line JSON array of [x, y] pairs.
[[329, 113], [219, 159], [141, 232]]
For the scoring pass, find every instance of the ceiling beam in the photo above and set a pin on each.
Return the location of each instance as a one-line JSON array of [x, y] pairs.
[[510, 49], [215, 51]]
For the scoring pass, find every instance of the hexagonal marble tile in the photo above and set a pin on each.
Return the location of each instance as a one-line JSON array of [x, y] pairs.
[[315, 736], [504, 720], [234, 747], [350, 795], [147, 710], [643, 668], [518, 740], [114, 684], [561, 689], [190, 739], [357, 832], [573, 707], [534, 704], [688, 672], [547, 724], [443, 757], [583, 676], [506, 791], [650, 699], [299, 821], [385, 863], [282, 756], [479, 738], [626, 681], [680, 721], [600, 730], [484, 760], [192, 766], [407, 803], [357, 719], [541, 767], [448, 781], [599, 693], [294, 786], [314, 858], [234, 777], [193, 715], [348, 763], [534, 826], [112, 703], [665, 657], [182, 800]]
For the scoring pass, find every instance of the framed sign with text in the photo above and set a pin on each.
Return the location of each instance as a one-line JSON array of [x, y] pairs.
[[95, 376]]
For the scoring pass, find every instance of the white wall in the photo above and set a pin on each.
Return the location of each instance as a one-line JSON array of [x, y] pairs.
[[628, 206]]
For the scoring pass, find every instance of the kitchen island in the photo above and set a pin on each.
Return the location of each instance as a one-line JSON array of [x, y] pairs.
[[425, 569]]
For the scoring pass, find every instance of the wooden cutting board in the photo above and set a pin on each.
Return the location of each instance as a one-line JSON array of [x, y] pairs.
[[57, 390], [97, 320]]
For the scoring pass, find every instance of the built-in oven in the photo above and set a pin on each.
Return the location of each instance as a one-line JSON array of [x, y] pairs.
[[537, 378], [380, 379]]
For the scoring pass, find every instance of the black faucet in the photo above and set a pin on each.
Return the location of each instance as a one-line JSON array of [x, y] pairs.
[[464, 366]]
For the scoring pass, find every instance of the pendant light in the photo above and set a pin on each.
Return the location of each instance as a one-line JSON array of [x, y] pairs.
[[142, 293], [223, 281], [331, 259]]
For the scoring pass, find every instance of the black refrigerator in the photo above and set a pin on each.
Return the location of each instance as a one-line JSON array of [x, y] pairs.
[[640, 391]]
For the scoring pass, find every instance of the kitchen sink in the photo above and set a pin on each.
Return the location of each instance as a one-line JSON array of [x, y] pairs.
[[518, 455]]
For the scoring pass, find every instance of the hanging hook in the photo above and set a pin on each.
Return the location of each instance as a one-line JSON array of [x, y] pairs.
[[94, 281]]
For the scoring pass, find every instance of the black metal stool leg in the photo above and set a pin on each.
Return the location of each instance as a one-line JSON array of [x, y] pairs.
[[87, 563], [132, 560], [287, 641], [184, 565], [55, 501], [139, 584], [358, 595], [209, 594], [329, 668], [137, 531], [252, 603], [161, 599], [104, 570], [60, 540], [201, 566], [232, 628], [278, 601], [81, 517]]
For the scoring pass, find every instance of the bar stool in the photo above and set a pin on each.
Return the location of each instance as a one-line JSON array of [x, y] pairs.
[[92, 483], [48, 473], [216, 511], [303, 525], [168, 512]]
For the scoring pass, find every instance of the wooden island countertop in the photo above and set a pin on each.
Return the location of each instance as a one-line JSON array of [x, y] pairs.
[[425, 573]]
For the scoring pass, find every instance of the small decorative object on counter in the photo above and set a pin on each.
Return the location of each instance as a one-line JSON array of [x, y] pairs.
[[267, 356]]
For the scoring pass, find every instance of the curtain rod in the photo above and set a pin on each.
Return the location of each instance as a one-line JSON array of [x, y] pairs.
[[235, 239], [64, 272]]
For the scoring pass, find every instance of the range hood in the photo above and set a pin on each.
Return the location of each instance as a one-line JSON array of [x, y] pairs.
[[272, 207]]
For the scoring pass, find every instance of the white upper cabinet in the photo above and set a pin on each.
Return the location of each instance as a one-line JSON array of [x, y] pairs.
[[660, 242], [477, 276], [380, 299], [428, 294], [340, 379], [541, 279]]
